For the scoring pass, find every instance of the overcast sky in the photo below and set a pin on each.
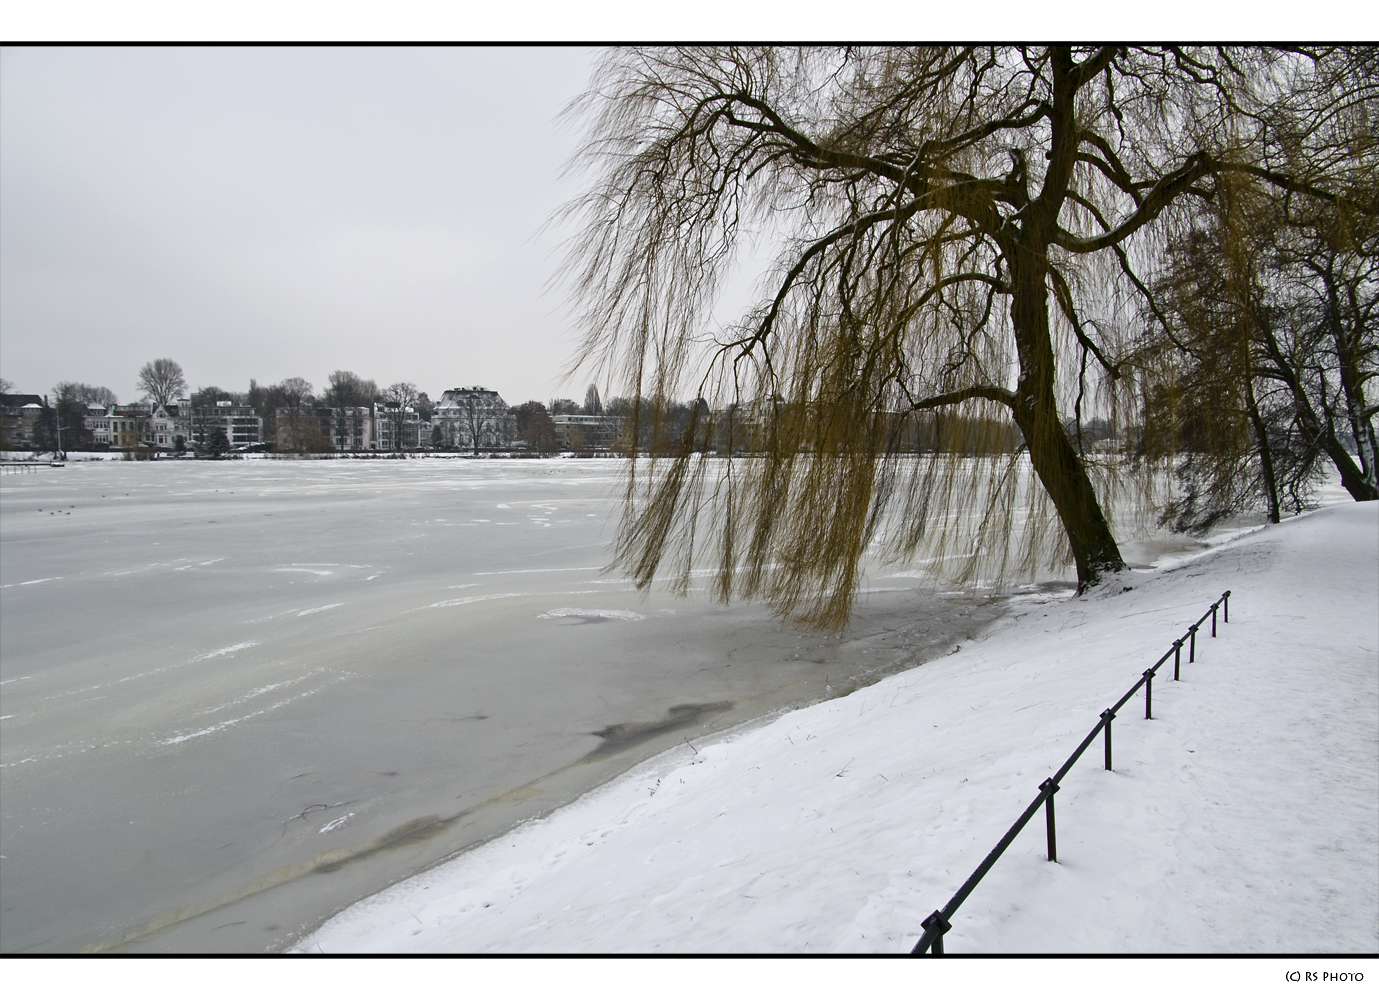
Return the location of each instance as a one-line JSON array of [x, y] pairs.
[[274, 212]]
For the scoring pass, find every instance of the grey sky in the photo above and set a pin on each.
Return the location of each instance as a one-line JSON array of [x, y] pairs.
[[274, 212]]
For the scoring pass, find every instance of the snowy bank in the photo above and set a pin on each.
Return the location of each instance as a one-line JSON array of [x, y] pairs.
[[1243, 818]]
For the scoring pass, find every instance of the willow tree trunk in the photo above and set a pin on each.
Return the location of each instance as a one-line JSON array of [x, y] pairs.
[[1266, 453], [1348, 356], [1319, 426], [1051, 453]]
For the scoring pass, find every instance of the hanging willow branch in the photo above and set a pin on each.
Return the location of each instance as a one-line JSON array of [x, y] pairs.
[[952, 228]]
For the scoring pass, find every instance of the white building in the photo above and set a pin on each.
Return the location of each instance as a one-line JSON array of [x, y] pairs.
[[242, 426], [397, 428], [470, 419], [376, 427], [169, 423], [349, 428]]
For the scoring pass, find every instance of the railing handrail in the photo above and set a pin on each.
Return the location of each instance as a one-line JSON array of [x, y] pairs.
[[939, 923]]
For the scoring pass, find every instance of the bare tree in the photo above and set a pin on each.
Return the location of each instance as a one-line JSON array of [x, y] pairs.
[[70, 402], [958, 229], [87, 395], [162, 380], [345, 393], [296, 392], [6, 387], [477, 419], [348, 389], [298, 429], [402, 396]]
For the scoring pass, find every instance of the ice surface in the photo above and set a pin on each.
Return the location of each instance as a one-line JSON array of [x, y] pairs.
[[205, 664], [1243, 818]]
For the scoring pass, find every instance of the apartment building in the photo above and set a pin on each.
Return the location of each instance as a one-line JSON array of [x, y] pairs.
[[591, 431], [243, 427]]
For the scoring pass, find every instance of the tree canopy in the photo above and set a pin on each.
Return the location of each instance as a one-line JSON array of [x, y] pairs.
[[162, 380], [348, 389], [967, 230], [1272, 344]]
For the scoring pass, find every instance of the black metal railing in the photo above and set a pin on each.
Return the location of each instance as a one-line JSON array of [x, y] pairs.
[[939, 923]]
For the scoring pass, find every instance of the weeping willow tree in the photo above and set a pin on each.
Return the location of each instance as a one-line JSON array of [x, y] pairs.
[[1273, 341], [1231, 434], [960, 234], [1270, 312]]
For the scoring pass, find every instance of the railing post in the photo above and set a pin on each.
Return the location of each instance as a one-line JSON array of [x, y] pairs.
[[935, 924], [1048, 817]]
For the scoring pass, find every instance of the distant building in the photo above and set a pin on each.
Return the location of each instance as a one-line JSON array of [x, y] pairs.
[[19, 413], [348, 428], [377, 427], [396, 428], [97, 421], [170, 422], [474, 418], [580, 431], [121, 428], [243, 427]]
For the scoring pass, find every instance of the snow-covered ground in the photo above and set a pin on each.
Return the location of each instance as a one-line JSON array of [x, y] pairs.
[[1243, 818]]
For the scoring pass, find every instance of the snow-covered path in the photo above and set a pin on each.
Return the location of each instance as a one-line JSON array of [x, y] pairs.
[[1243, 818]]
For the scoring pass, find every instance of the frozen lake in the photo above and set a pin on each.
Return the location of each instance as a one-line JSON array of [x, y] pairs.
[[236, 697]]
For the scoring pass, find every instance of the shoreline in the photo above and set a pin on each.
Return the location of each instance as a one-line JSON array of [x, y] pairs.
[[413, 848], [452, 685]]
